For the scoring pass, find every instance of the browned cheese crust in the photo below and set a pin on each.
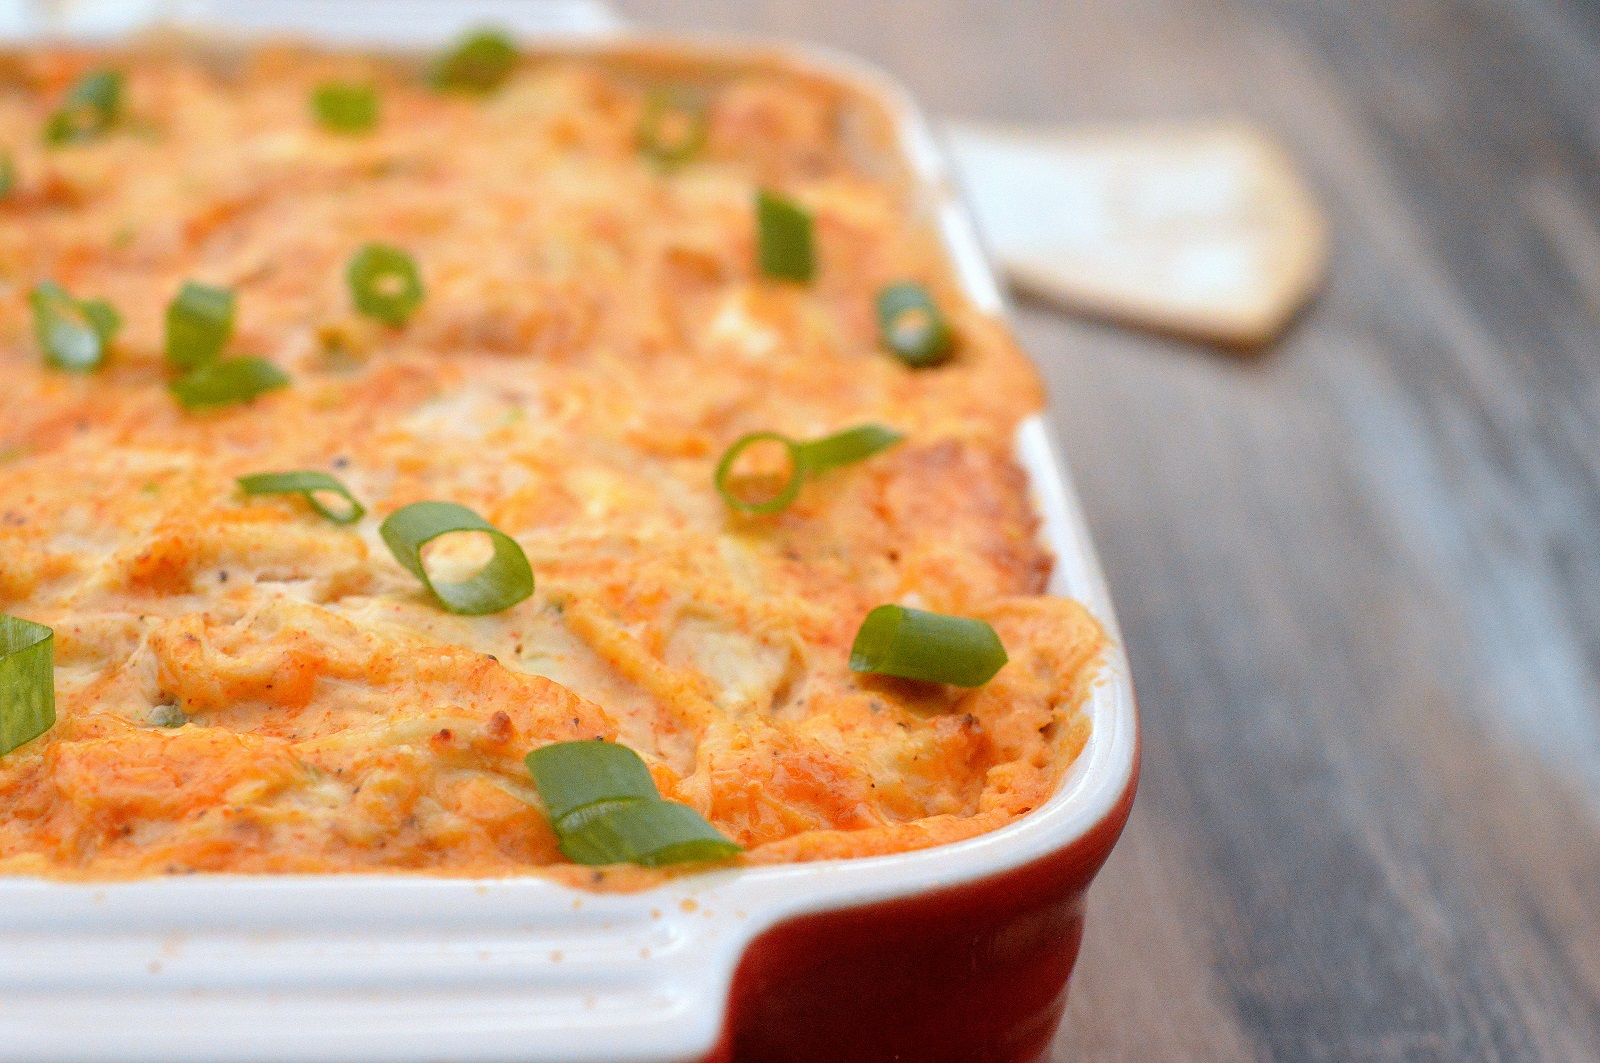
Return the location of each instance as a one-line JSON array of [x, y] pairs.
[[593, 336]]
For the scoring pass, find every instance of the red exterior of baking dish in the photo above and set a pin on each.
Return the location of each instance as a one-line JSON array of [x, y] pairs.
[[972, 974]]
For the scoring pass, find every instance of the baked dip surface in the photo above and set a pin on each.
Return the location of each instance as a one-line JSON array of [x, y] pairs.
[[245, 685]]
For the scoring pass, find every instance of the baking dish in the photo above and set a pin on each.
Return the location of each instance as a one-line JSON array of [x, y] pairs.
[[960, 952]]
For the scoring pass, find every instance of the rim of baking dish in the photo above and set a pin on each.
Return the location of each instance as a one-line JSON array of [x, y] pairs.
[[412, 967]]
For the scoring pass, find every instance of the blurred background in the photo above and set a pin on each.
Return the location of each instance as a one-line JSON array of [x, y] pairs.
[[1355, 550]]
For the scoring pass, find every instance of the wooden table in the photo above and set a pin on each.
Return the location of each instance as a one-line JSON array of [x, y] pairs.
[[1359, 574]]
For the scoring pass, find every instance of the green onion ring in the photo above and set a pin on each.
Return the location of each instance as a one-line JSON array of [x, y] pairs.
[[345, 107], [479, 63], [199, 325], [605, 809], [573, 776], [73, 333], [910, 325], [503, 582], [227, 381], [913, 644], [89, 111], [784, 238], [306, 482], [805, 459], [668, 112], [27, 682], [384, 283], [648, 833], [779, 501]]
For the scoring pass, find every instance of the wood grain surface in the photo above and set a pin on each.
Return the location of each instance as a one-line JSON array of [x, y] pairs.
[[1359, 573]]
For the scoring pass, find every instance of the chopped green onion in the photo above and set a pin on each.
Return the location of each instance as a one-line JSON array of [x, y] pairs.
[[307, 482], [910, 325], [673, 128], [913, 644], [778, 501], [90, 109], [605, 809], [384, 283], [227, 381], [500, 584], [199, 325], [784, 238], [847, 447], [103, 318], [74, 333], [805, 459], [27, 682], [649, 833], [573, 776], [479, 63], [344, 107], [8, 174]]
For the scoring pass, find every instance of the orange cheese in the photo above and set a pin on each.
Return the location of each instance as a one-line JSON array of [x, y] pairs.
[[244, 686]]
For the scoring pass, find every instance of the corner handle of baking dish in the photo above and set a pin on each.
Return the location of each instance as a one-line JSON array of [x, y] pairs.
[[357, 969]]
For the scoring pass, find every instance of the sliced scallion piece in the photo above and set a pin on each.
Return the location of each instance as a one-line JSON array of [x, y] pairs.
[[344, 107], [784, 238], [307, 482], [804, 458], [91, 108], [910, 325], [673, 128], [104, 319], [73, 333], [573, 776], [384, 283], [649, 833], [227, 381], [8, 174], [847, 447], [506, 580], [778, 500], [605, 809], [199, 324], [27, 681], [479, 63], [913, 644]]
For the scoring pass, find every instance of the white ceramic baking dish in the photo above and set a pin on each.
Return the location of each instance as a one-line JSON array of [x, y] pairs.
[[764, 963]]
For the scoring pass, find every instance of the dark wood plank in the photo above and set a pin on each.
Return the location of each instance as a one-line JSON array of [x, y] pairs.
[[1359, 575]]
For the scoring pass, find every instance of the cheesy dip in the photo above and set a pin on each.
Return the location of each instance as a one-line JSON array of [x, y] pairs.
[[244, 685]]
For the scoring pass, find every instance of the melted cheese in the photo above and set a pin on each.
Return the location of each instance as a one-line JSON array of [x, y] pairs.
[[245, 687]]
